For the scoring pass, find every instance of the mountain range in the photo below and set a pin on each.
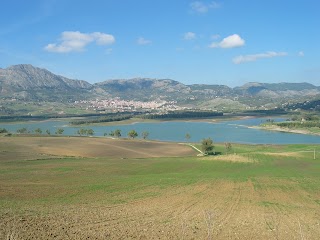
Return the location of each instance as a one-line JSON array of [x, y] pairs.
[[28, 83]]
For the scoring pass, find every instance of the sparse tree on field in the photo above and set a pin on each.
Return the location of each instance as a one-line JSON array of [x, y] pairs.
[[22, 130], [228, 147], [90, 132], [111, 133], [207, 146], [48, 132], [307, 117], [132, 134], [187, 137], [82, 132], [59, 131], [117, 133], [38, 131], [3, 130], [145, 134]]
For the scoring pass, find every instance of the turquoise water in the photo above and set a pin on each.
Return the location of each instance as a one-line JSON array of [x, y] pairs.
[[229, 131]]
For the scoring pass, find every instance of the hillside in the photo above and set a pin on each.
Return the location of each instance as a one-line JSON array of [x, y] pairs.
[[31, 83], [25, 82], [277, 90], [145, 89]]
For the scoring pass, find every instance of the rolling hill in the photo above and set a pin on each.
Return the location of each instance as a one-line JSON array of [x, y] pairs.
[[28, 83]]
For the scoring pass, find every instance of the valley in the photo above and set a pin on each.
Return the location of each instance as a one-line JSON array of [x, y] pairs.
[[160, 120], [120, 159]]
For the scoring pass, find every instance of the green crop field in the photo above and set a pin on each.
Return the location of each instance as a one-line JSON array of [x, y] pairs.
[[253, 192]]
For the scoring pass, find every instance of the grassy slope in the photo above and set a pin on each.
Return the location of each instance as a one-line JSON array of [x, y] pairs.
[[285, 181], [74, 180]]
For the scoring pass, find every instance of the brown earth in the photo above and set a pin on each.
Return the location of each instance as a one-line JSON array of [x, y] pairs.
[[223, 210], [44, 147], [260, 208]]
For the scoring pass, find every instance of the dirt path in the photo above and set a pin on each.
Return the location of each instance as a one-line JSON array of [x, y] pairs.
[[197, 149]]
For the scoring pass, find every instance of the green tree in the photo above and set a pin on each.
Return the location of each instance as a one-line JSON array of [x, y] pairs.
[[132, 134], [38, 131], [187, 137], [228, 147], [145, 134], [90, 132], [111, 133], [82, 132], [3, 130], [117, 133], [48, 132], [22, 130], [59, 131], [207, 146]]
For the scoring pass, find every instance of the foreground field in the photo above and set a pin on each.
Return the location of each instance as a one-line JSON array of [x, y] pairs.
[[49, 147], [255, 192]]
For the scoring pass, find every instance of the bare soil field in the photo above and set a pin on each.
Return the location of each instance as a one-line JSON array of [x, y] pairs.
[[221, 210], [89, 147], [129, 194]]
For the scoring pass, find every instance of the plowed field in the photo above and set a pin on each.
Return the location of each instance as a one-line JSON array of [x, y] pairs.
[[267, 195], [28, 147]]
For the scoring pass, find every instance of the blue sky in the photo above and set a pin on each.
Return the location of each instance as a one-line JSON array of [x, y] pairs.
[[229, 42]]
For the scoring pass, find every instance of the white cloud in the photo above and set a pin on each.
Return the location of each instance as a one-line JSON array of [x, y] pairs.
[[215, 36], [255, 57], [77, 41], [229, 42], [189, 36], [143, 41], [201, 7], [301, 54], [103, 39]]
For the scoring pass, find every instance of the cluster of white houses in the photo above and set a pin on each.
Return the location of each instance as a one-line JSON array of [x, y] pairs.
[[117, 104]]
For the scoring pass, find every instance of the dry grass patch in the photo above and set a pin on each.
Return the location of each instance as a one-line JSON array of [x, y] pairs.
[[285, 154], [229, 158]]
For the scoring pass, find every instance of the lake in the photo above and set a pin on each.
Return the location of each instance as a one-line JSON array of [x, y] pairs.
[[236, 131]]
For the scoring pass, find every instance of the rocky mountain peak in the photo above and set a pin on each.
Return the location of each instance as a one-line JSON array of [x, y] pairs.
[[37, 83]]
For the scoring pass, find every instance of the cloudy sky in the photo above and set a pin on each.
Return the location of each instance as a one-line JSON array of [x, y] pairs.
[[212, 42]]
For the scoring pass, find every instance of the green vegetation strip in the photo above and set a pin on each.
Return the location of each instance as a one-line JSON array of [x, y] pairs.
[[114, 181]]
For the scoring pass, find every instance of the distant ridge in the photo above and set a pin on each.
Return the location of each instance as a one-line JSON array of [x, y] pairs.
[[26, 82]]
